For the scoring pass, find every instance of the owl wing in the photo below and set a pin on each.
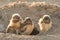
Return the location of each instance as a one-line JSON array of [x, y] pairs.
[[27, 27]]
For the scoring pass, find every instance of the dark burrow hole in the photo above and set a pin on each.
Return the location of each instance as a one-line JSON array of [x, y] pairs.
[[35, 31]]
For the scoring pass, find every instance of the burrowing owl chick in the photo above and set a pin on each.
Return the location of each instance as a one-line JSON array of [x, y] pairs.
[[14, 24], [45, 23], [27, 26]]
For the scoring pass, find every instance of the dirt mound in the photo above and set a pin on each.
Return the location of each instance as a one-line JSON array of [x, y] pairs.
[[28, 37], [3, 2]]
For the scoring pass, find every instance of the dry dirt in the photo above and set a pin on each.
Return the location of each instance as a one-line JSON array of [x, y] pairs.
[[4, 2], [34, 10]]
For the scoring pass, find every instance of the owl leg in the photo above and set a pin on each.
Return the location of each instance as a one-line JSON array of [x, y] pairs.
[[17, 32]]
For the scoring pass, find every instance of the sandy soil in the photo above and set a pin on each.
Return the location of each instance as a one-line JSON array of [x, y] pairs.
[[4, 2]]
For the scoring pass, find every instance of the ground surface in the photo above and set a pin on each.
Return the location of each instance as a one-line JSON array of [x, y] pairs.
[[4, 2], [34, 10]]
